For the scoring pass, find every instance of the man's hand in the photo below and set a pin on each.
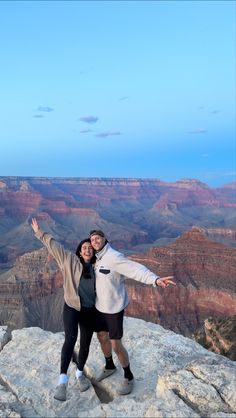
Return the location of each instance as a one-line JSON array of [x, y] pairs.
[[165, 281], [35, 225]]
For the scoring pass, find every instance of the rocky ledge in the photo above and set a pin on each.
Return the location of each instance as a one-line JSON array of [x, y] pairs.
[[174, 377]]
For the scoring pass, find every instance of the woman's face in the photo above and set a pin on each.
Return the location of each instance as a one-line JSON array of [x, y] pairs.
[[86, 251]]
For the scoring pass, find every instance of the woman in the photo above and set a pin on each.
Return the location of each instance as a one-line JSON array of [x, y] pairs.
[[79, 295]]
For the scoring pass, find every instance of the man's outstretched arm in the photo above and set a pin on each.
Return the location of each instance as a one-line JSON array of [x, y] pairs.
[[136, 271]]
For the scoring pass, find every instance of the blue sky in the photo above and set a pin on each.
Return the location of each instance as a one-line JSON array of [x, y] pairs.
[[118, 89]]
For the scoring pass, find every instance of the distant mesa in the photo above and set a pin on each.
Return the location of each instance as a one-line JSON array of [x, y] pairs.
[[3, 185]]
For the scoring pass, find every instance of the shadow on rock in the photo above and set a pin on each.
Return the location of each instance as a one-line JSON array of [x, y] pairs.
[[103, 395]]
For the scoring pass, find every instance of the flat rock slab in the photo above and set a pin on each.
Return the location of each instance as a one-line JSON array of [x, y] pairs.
[[174, 377]]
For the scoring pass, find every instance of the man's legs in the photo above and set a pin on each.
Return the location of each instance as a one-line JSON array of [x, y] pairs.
[[105, 342], [123, 358], [103, 338], [112, 340], [108, 345], [121, 352]]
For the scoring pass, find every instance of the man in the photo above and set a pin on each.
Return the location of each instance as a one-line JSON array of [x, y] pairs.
[[111, 269]]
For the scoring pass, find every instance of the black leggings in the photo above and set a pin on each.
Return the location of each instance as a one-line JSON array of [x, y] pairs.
[[86, 321]]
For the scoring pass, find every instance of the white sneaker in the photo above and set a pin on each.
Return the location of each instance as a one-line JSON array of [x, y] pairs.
[[83, 383], [126, 387], [60, 392]]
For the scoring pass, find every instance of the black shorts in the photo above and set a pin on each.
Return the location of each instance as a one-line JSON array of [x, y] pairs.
[[111, 323]]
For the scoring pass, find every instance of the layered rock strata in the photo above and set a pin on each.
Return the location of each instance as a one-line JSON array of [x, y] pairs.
[[132, 212], [204, 271], [29, 290], [219, 335]]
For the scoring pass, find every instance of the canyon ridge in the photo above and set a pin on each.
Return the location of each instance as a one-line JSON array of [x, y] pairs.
[[183, 228]]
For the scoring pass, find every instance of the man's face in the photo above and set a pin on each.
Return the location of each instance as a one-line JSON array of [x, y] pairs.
[[97, 242]]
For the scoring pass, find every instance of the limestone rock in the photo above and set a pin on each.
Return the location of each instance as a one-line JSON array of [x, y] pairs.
[[5, 336], [174, 377]]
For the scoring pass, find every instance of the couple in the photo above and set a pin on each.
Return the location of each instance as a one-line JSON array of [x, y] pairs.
[[95, 299]]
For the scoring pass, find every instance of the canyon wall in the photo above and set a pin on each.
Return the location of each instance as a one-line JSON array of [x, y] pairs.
[[218, 334], [204, 271], [135, 214]]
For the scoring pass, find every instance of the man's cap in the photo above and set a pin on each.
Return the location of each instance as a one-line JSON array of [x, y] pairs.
[[96, 232]]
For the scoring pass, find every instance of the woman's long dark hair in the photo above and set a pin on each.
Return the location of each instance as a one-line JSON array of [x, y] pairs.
[[86, 266]]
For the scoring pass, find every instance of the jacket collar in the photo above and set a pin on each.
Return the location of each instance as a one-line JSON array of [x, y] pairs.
[[103, 251]]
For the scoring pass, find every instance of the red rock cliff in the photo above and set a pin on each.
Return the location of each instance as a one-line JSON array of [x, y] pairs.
[[205, 273]]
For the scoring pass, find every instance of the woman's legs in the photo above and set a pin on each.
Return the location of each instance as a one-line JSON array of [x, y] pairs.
[[70, 320], [86, 324]]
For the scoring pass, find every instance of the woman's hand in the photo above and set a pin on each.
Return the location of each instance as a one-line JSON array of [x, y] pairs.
[[165, 281], [35, 225]]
